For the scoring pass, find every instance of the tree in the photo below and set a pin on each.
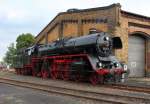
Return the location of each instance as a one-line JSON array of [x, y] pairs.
[[10, 54], [3, 65], [24, 40]]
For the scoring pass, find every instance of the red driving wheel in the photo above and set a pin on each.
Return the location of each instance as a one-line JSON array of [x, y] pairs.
[[53, 71], [45, 73], [65, 73]]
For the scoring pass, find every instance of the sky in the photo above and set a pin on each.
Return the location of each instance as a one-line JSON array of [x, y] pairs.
[[31, 16]]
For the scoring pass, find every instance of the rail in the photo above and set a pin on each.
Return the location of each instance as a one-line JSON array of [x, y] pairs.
[[83, 94]]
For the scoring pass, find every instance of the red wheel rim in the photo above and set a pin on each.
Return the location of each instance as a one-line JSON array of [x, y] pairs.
[[54, 72], [65, 73], [94, 79], [45, 74], [19, 71], [33, 73]]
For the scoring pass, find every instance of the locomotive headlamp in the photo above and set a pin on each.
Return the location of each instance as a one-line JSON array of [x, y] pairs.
[[99, 64], [116, 64], [106, 38], [125, 67]]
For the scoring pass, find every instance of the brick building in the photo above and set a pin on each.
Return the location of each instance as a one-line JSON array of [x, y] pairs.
[[134, 30]]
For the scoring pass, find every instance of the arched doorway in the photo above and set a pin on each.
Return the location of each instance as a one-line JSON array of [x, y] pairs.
[[137, 54]]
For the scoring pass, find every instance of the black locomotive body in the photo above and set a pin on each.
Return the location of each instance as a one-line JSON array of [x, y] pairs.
[[88, 58]]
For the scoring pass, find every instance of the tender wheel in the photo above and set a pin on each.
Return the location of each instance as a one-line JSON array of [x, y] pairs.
[[22, 71], [17, 71], [33, 73]]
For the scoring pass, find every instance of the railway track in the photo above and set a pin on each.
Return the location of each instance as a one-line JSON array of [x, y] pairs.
[[83, 94], [128, 88]]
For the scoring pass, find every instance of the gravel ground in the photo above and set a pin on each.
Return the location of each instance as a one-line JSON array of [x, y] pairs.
[[16, 95], [74, 85]]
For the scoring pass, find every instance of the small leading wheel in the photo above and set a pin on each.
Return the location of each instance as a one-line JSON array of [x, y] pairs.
[[117, 78], [95, 79]]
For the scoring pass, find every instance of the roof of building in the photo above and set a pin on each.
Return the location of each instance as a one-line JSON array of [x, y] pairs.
[[134, 14], [77, 11], [94, 9]]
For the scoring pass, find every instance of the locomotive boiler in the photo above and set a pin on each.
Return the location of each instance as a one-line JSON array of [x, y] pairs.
[[85, 58]]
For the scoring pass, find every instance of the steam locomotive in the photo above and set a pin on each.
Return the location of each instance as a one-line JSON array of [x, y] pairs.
[[85, 58]]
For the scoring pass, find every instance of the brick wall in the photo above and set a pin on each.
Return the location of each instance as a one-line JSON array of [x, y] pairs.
[[53, 34], [134, 24], [80, 22], [70, 29], [42, 40], [97, 26]]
